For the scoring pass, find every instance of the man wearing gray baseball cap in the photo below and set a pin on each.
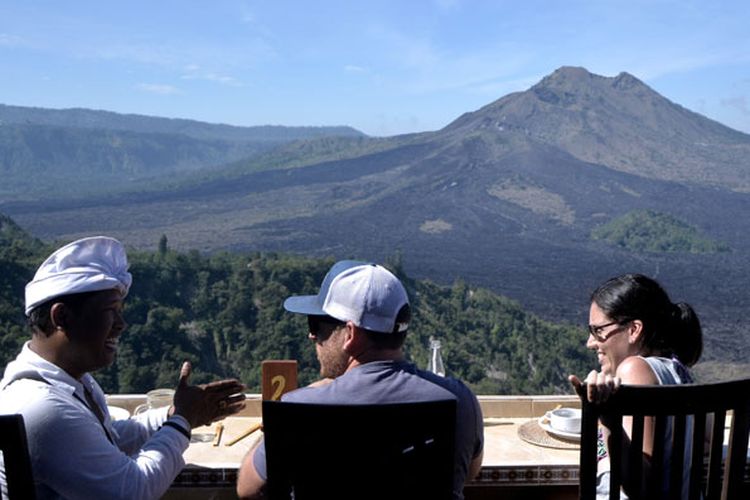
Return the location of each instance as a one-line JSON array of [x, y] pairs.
[[74, 306], [358, 321]]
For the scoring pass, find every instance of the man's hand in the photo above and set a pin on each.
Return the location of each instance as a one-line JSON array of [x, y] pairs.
[[206, 403]]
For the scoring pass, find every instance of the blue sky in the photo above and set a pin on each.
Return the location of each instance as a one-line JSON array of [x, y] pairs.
[[383, 67]]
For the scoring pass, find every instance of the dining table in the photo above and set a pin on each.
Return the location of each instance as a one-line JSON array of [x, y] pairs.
[[523, 457], [521, 460]]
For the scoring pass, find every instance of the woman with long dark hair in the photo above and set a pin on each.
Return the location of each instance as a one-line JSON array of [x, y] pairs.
[[640, 338]]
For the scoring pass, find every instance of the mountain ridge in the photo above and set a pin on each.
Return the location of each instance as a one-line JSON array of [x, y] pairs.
[[41, 150], [507, 204], [598, 119], [110, 120]]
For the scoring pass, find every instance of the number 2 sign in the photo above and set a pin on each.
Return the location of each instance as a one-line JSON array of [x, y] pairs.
[[278, 377]]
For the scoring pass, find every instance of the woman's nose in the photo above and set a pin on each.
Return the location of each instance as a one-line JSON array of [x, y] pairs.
[[591, 342]]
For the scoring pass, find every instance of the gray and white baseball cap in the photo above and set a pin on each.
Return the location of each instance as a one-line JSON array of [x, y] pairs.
[[366, 294]]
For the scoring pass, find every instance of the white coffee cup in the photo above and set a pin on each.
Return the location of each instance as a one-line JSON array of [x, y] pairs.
[[566, 420], [155, 399]]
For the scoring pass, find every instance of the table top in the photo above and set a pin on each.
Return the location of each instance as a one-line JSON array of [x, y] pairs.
[[503, 445], [203, 453], [507, 457]]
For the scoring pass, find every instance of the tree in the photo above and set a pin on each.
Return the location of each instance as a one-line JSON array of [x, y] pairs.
[[163, 248]]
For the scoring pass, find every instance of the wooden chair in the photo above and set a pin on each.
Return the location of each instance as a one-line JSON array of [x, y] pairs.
[[394, 451], [679, 407], [16, 459]]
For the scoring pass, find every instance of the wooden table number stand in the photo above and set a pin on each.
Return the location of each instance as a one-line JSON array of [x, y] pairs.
[[278, 377]]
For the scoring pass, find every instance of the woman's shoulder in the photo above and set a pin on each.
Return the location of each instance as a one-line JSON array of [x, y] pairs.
[[669, 370], [635, 370]]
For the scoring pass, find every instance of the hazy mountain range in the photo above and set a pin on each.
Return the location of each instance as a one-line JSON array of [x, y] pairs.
[[506, 196], [76, 152]]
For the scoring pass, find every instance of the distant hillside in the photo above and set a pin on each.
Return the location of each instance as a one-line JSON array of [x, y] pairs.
[[107, 120], [35, 159], [506, 197], [19, 256], [649, 231], [77, 152], [10, 232], [295, 154], [224, 313]]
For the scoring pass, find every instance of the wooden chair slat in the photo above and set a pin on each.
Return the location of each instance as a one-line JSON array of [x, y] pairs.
[[635, 458], [696, 460], [589, 461], [734, 469], [713, 488], [677, 466], [615, 448]]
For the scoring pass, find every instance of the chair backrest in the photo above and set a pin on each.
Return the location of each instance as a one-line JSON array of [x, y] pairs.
[[393, 451], [17, 464], [685, 417]]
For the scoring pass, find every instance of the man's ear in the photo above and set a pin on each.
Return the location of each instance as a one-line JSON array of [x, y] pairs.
[[353, 337], [59, 316]]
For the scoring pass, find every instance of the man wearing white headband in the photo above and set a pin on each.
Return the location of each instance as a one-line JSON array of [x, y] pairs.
[[358, 321], [74, 307]]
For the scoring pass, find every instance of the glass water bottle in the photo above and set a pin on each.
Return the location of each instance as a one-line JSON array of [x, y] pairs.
[[436, 359]]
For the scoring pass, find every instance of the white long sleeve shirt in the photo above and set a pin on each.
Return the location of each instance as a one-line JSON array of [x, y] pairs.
[[72, 456]]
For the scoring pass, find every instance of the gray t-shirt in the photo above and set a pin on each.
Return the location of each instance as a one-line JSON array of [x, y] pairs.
[[384, 382]]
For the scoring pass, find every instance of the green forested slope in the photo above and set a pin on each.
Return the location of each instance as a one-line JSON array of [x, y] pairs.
[[650, 231], [224, 313]]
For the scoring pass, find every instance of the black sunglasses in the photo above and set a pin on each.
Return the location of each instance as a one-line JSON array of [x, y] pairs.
[[321, 327], [596, 330]]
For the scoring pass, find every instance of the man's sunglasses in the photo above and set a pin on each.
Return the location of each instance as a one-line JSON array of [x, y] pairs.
[[321, 327]]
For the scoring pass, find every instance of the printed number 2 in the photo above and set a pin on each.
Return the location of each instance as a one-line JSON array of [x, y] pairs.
[[281, 381]]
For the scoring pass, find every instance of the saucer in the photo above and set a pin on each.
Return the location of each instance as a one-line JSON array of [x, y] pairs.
[[544, 424]]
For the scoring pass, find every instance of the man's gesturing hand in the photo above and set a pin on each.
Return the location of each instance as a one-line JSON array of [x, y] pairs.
[[206, 403]]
